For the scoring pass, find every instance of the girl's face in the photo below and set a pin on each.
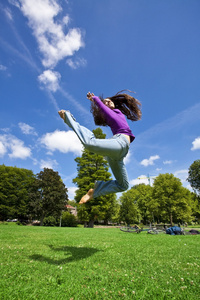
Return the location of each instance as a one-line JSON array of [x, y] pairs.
[[109, 103]]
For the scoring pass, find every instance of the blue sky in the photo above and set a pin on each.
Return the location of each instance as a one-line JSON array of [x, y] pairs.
[[53, 52]]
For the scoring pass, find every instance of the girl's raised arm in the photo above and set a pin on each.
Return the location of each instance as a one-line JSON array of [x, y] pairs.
[[89, 96]]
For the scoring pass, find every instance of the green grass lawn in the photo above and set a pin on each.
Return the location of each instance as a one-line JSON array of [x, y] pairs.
[[82, 263]]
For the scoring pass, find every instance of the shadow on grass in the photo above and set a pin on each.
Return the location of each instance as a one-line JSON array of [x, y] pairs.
[[72, 253]]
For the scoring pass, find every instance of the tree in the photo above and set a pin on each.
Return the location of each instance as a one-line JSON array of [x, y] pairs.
[[48, 195], [195, 207], [143, 196], [170, 201], [15, 184], [135, 204], [68, 220], [184, 212], [92, 167], [194, 176], [129, 211], [116, 213]]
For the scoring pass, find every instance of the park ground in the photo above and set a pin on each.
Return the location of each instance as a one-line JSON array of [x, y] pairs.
[[99, 263]]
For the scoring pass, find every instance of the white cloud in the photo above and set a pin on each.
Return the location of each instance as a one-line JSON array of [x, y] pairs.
[[141, 179], [53, 43], [3, 68], [66, 20], [18, 150], [127, 158], [6, 130], [182, 175], [8, 13], [167, 162], [196, 144], [35, 161], [63, 141], [14, 2], [15, 146], [2, 149], [75, 64], [50, 164], [149, 162], [50, 79], [71, 192], [27, 129]]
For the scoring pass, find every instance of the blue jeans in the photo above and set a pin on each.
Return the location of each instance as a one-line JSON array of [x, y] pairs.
[[114, 149]]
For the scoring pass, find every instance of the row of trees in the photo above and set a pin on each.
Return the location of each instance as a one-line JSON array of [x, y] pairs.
[[167, 201], [24, 195]]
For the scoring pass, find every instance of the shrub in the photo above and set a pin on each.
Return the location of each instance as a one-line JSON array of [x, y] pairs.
[[19, 223], [68, 220], [50, 221]]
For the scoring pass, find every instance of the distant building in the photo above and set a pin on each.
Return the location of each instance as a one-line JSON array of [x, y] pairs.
[[72, 209]]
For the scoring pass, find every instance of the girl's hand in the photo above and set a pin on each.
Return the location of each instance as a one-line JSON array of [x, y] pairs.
[[62, 114], [89, 96]]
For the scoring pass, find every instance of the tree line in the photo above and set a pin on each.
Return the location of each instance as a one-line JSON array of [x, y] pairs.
[[167, 201], [26, 196]]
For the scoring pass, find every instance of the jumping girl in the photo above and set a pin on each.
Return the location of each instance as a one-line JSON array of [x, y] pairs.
[[110, 112]]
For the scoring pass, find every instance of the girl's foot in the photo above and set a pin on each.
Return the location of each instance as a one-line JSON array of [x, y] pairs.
[[62, 113], [87, 197]]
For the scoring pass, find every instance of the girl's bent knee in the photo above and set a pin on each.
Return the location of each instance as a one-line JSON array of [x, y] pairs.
[[124, 187]]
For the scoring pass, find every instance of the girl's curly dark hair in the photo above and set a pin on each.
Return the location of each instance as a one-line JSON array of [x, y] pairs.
[[127, 104]]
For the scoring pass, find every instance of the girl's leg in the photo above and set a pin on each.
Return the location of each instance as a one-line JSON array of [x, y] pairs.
[[114, 149], [117, 147], [84, 134], [113, 186]]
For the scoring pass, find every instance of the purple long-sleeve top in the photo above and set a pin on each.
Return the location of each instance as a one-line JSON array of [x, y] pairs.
[[115, 119]]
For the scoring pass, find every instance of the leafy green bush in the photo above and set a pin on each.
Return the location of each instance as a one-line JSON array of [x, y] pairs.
[[3, 223], [19, 223], [68, 220], [50, 221]]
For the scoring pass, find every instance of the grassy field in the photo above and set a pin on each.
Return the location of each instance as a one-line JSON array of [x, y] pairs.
[[82, 263]]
